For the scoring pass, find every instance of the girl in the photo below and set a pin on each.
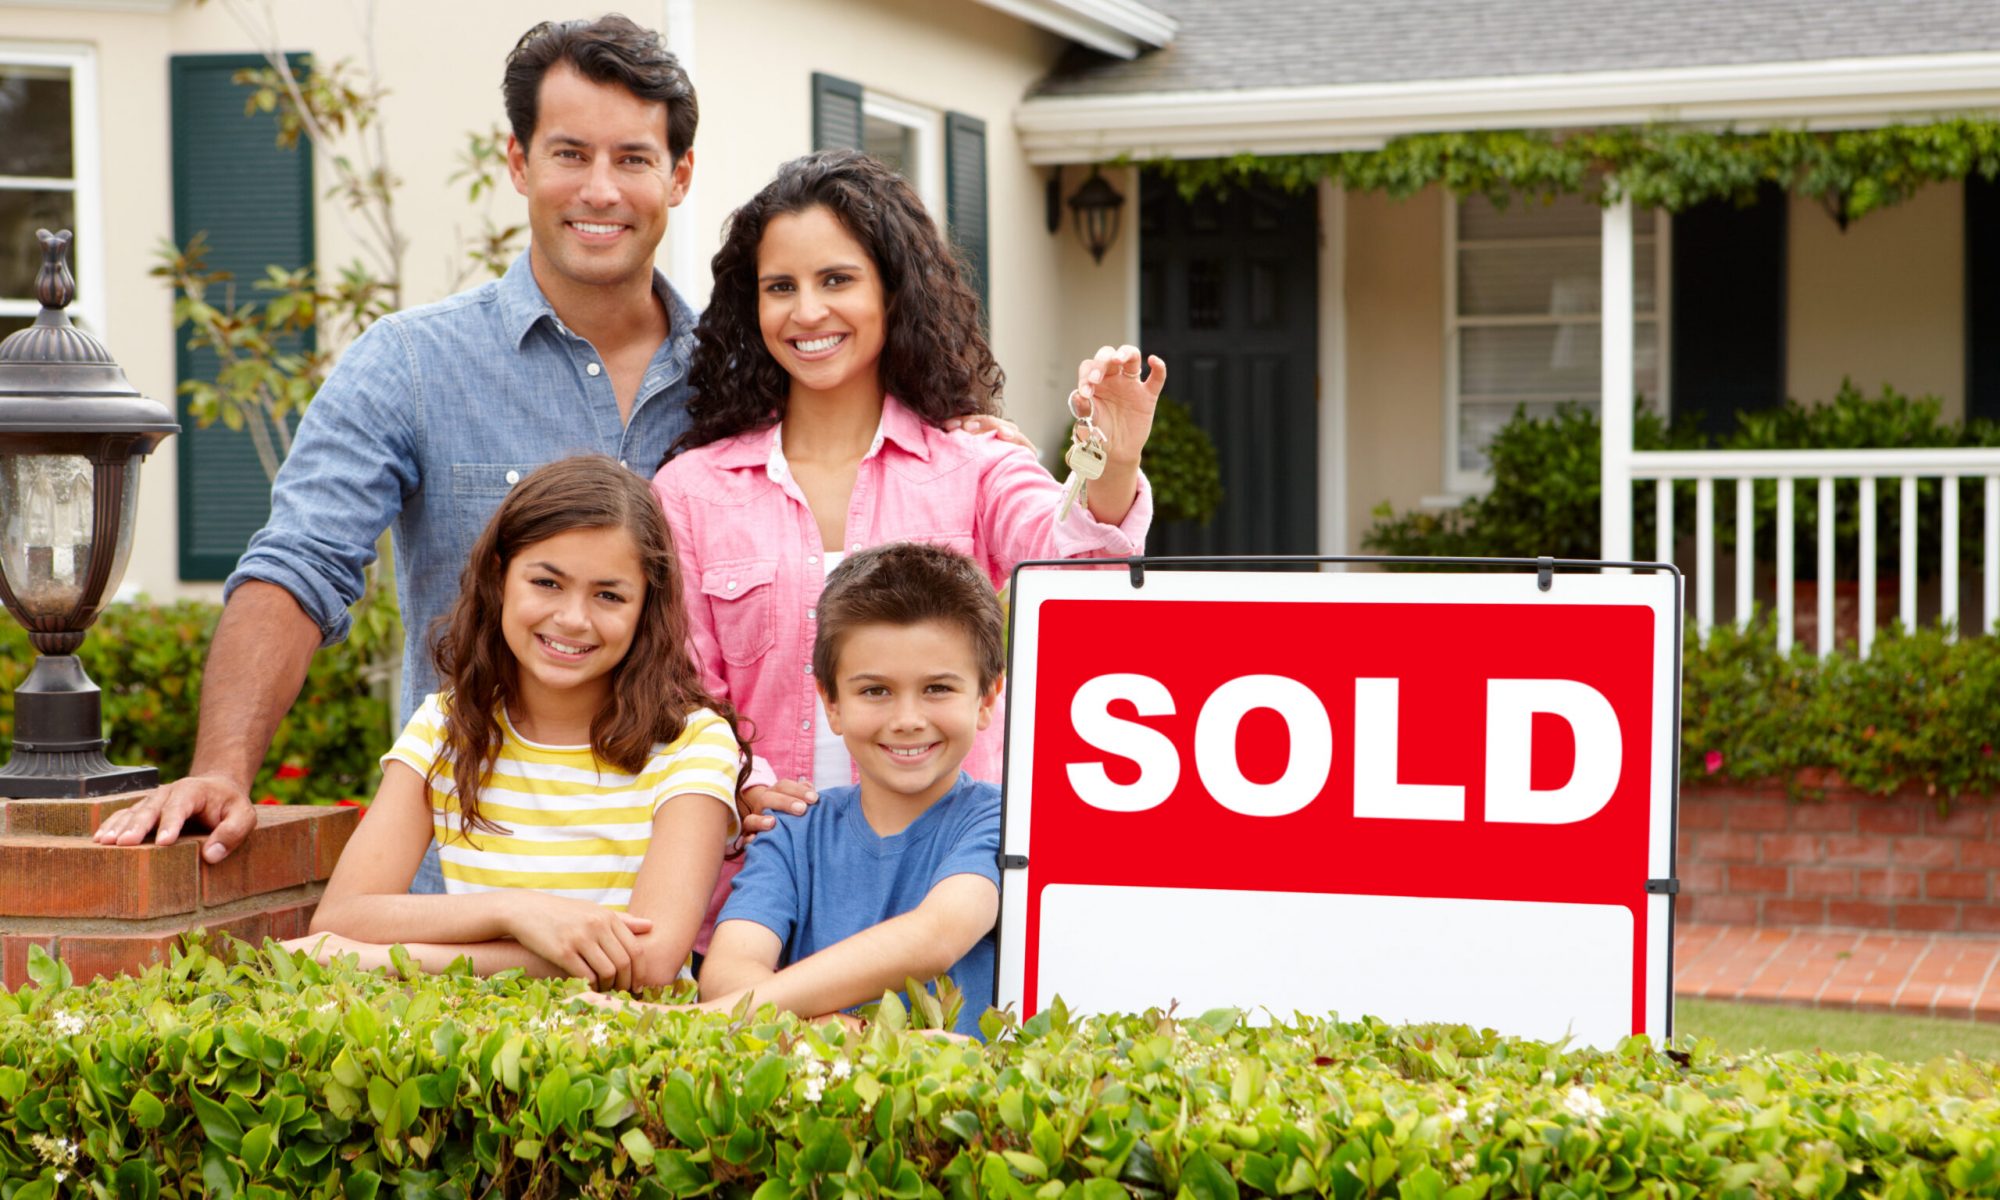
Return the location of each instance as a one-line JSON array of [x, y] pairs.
[[840, 340], [607, 776]]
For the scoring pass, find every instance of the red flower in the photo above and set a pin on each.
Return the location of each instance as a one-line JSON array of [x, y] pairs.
[[1712, 761], [289, 771], [270, 800]]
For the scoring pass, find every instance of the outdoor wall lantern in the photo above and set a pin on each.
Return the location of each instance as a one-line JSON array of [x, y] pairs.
[[1097, 206], [72, 433]]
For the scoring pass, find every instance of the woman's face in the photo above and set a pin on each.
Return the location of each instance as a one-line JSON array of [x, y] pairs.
[[819, 304]]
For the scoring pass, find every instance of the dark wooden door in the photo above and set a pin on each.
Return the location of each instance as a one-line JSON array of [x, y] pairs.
[[1229, 297]]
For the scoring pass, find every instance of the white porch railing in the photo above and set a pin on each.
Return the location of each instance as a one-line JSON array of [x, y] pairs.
[[1823, 468]]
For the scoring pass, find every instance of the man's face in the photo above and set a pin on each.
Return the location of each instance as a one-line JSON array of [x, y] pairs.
[[598, 182]]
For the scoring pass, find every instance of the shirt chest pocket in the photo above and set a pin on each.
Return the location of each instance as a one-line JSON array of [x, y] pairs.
[[739, 595], [478, 488]]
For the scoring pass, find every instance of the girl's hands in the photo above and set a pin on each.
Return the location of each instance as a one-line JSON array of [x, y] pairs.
[[584, 938], [1119, 400]]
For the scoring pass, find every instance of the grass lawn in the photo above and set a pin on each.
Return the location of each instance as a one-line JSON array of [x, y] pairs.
[[1740, 1028]]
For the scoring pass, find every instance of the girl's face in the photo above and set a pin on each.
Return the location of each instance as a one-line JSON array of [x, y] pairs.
[[569, 609], [819, 303]]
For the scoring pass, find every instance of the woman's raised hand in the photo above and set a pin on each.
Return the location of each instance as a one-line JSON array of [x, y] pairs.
[[1119, 389], [582, 937]]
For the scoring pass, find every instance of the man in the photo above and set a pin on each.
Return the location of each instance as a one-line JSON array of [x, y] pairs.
[[435, 412]]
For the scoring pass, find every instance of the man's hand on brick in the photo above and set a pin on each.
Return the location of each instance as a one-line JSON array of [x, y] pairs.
[[220, 804]]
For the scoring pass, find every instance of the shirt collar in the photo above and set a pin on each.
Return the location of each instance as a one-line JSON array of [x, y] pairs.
[[522, 305], [759, 447]]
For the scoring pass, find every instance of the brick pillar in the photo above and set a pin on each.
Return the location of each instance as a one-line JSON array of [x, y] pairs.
[[106, 910]]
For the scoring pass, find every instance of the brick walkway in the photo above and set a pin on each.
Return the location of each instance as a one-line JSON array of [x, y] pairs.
[[1915, 974]]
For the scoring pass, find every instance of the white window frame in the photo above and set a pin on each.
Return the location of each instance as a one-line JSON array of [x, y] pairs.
[[927, 123], [1460, 483], [87, 185]]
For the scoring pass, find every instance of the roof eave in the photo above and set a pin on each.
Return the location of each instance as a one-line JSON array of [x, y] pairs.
[[1828, 93], [1120, 28]]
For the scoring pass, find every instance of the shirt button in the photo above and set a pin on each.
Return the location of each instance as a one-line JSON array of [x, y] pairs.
[[809, 668], [812, 559], [593, 369], [805, 726], [731, 585], [623, 463], [855, 548], [513, 477], [810, 613]]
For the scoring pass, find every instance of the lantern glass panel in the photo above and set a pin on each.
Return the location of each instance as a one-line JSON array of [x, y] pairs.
[[49, 509]]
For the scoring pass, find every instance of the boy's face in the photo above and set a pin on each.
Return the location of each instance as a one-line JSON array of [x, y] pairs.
[[908, 705]]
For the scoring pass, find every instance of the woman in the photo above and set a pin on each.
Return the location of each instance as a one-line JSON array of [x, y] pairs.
[[839, 340]]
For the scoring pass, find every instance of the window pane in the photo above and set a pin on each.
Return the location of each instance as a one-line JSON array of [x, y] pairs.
[[21, 213], [1531, 217], [894, 144], [1539, 367], [1536, 280], [34, 115]]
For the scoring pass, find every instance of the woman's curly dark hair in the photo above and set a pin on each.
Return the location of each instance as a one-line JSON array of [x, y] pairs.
[[935, 359]]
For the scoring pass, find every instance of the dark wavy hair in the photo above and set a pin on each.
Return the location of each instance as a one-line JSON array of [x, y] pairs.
[[653, 688], [610, 49], [935, 358]]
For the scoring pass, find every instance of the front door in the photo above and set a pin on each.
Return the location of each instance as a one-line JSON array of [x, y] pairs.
[[1229, 298]]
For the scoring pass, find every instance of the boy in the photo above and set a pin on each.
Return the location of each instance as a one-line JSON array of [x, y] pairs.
[[899, 877]]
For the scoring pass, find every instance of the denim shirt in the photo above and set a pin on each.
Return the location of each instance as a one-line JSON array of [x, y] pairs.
[[428, 419]]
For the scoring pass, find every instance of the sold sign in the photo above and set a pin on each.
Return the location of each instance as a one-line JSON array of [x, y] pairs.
[[1422, 797]]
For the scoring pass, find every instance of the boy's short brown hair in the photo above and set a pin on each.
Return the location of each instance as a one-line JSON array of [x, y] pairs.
[[908, 583]]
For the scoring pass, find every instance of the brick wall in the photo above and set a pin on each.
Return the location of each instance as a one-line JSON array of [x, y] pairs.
[[110, 909], [1752, 856]]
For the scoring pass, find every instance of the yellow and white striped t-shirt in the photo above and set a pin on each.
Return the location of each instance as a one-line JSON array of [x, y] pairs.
[[574, 826]]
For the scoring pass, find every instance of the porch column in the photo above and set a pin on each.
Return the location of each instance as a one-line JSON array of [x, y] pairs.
[[1615, 389]]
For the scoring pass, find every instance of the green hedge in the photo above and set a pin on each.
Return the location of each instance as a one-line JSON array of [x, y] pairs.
[[276, 1078], [147, 659], [1921, 710]]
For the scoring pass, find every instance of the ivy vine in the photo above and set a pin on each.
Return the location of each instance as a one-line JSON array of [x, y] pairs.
[[1852, 172]]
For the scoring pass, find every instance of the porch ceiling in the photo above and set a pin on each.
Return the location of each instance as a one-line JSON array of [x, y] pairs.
[[1293, 76]]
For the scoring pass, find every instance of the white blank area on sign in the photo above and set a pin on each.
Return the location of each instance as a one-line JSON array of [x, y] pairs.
[[1526, 968]]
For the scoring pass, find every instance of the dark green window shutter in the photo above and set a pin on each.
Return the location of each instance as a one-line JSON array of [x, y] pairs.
[[1982, 297], [965, 195], [255, 203], [1729, 310], [836, 113]]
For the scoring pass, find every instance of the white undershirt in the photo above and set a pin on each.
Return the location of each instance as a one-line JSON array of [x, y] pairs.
[[832, 765]]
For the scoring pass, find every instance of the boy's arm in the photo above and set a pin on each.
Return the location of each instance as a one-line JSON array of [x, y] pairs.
[[922, 943]]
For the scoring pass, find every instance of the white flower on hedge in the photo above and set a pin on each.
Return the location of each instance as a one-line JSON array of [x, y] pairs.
[[1456, 1114], [814, 1089], [66, 1023], [842, 1069], [55, 1151], [1583, 1104]]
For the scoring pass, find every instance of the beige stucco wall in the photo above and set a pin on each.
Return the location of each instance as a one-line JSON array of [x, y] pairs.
[[1881, 302], [1395, 353], [441, 61]]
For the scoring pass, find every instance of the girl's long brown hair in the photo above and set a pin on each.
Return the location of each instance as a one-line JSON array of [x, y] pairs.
[[935, 358], [654, 687]]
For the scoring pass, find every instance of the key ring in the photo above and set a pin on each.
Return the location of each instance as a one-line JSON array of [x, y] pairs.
[[1074, 396]]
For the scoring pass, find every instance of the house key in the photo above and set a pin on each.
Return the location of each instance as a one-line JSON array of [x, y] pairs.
[[1086, 459]]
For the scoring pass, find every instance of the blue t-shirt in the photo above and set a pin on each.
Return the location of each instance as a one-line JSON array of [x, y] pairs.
[[823, 877]]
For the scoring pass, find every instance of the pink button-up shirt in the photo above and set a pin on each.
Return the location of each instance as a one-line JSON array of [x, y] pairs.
[[751, 569]]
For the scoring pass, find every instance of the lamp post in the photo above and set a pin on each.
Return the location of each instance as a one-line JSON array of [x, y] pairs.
[[72, 434]]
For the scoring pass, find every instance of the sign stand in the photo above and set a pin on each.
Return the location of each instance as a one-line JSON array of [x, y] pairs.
[[1421, 796]]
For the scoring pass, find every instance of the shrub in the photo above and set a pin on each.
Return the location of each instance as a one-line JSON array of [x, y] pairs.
[[277, 1078], [1921, 710], [147, 660]]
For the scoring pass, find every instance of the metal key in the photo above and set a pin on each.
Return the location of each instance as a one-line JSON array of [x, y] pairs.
[[1086, 459]]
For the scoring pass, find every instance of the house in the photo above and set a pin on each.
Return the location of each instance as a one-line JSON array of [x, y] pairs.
[[1343, 343], [120, 118]]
